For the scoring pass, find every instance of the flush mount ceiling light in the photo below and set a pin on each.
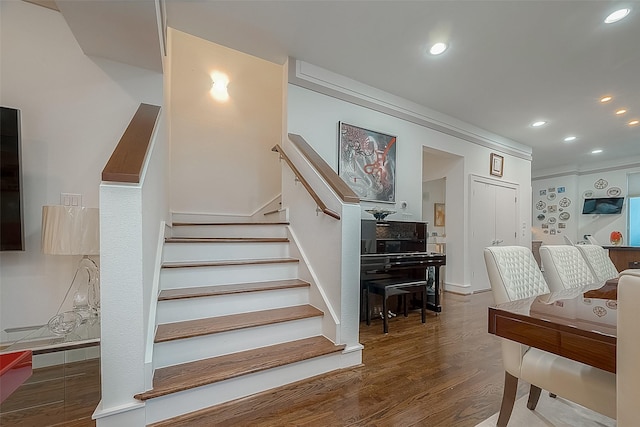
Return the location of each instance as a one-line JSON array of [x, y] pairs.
[[606, 99], [621, 111], [616, 16], [438, 48], [570, 138], [596, 151], [538, 123], [633, 122]]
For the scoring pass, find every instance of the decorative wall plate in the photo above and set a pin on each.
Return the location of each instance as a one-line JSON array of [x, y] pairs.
[[601, 184], [599, 310], [541, 217], [552, 220], [564, 216], [614, 192], [587, 194], [541, 205], [551, 196], [564, 202]]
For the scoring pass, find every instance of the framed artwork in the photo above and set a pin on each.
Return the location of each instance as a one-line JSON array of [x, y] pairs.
[[367, 162], [438, 214], [497, 162]]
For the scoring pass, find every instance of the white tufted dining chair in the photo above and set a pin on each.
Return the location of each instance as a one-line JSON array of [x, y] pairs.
[[514, 274], [628, 348], [598, 260], [565, 267]]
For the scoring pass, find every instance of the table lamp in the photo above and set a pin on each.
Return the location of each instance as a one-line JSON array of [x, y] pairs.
[[74, 230]]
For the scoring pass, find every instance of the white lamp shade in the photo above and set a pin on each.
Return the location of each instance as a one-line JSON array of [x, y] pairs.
[[70, 230]]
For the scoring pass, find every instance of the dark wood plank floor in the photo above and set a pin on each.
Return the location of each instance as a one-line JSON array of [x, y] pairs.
[[60, 395], [447, 372]]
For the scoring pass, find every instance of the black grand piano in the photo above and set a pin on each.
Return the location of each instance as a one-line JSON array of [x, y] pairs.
[[394, 261]]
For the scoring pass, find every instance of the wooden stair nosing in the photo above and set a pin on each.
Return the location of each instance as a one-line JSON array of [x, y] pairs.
[[226, 240], [187, 264], [212, 325], [189, 224], [215, 290], [173, 379]]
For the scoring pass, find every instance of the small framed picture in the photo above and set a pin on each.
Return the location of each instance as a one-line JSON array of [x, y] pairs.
[[438, 214], [497, 163], [560, 189], [543, 192]]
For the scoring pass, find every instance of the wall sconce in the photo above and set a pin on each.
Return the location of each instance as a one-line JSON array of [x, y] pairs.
[[219, 83], [74, 230]]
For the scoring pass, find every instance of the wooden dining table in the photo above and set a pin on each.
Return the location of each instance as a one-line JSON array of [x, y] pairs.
[[579, 324]]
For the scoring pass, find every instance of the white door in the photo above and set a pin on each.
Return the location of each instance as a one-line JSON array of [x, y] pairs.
[[494, 214]]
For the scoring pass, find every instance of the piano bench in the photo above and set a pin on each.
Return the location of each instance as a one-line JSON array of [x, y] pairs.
[[390, 287]]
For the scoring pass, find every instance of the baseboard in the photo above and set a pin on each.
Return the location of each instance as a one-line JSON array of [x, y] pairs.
[[128, 414], [456, 288]]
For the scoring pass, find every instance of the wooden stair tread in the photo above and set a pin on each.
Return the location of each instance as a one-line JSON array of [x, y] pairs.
[[208, 291], [226, 240], [188, 224], [194, 328], [182, 377], [227, 262]]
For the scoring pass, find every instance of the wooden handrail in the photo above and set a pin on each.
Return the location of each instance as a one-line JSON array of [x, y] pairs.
[[127, 160], [330, 176], [321, 206]]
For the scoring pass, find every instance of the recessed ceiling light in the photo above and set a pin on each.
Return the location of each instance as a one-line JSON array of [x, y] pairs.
[[596, 152], [633, 122], [606, 98], [438, 48], [621, 111], [616, 16], [570, 138], [538, 123]]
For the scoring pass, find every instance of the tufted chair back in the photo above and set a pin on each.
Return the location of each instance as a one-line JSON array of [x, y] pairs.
[[598, 260], [513, 273], [564, 267]]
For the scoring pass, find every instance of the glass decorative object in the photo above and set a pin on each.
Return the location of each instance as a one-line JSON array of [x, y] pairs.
[[615, 238]]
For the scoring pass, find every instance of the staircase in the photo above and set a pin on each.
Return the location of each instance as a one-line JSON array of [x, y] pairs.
[[233, 319]]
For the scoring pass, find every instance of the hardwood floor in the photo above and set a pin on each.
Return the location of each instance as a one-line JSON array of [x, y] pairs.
[[61, 395], [447, 372]]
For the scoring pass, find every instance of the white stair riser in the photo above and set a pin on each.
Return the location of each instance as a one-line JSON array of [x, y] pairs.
[[172, 252], [206, 276], [162, 408], [196, 348], [224, 305], [239, 230]]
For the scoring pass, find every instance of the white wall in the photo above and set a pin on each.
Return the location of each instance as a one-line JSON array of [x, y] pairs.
[[599, 226], [221, 152], [315, 116], [74, 111]]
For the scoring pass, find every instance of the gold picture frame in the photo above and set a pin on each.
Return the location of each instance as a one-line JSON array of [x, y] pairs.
[[438, 214], [497, 163]]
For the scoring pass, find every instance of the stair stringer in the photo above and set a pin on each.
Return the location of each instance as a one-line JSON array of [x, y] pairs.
[[317, 296], [351, 355], [164, 232]]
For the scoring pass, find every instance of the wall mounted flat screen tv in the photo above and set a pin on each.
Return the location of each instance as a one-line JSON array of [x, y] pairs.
[[603, 205], [11, 208]]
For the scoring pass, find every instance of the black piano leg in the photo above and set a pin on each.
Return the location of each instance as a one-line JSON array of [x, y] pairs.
[[424, 303], [404, 302], [385, 317]]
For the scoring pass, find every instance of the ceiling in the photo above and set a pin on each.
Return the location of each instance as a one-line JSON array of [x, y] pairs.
[[509, 63]]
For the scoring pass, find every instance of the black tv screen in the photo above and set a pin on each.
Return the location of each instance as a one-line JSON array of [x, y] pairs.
[[11, 214], [603, 205]]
